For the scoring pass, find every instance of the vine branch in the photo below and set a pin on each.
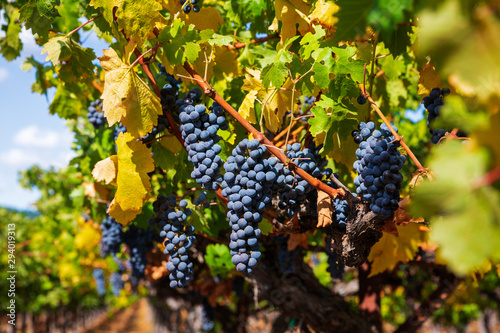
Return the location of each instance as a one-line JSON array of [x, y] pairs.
[[84, 24], [259, 136]]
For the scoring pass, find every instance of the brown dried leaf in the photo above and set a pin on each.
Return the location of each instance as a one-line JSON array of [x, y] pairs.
[[325, 209], [401, 216], [390, 228], [296, 240]]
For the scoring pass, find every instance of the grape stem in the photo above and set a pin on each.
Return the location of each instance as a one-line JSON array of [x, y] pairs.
[[396, 135], [317, 184], [84, 24], [237, 46]]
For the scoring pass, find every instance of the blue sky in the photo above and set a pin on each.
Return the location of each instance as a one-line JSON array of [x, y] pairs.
[[29, 135]]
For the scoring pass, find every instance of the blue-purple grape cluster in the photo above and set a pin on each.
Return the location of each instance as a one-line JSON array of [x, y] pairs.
[[293, 190], [118, 129], [116, 283], [286, 259], [140, 242], [247, 184], [98, 275], [178, 237], [378, 164], [112, 236], [433, 103], [202, 200], [192, 4], [342, 210], [199, 131], [96, 114], [207, 316], [336, 266]]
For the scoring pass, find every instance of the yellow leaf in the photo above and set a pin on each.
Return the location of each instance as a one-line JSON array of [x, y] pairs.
[[324, 14], [171, 143], [247, 109], [275, 105], [291, 13], [121, 216], [226, 61], [390, 249], [134, 163], [106, 170], [127, 98], [87, 239], [208, 18], [428, 79]]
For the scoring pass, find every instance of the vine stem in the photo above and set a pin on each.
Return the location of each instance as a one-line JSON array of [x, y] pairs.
[[259, 136], [139, 58], [97, 86], [84, 24], [372, 75], [237, 46], [396, 135]]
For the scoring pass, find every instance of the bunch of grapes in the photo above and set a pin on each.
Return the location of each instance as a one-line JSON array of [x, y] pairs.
[[336, 267], [112, 236], [187, 7], [96, 114], [199, 131], [378, 164], [293, 190], [178, 237], [202, 200], [116, 283], [341, 213], [247, 184], [286, 259], [207, 316], [140, 242], [433, 103], [118, 129], [98, 275]]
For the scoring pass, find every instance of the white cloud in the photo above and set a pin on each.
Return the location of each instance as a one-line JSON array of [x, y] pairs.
[[4, 74], [21, 159], [32, 136]]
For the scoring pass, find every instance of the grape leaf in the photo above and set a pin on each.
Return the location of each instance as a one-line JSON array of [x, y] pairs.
[[126, 98], [73, 62], [266, 227], [137, 18], [291, 13], [352, 18], [247, 108], [391, 249], [34, 20], [134, 163], [65, 103], [217, 256], [10, 45], [324, 14], [325, 209], [106, 170], [428, 79]]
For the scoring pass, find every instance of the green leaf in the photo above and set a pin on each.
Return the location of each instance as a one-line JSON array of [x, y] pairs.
[[265, 227], [345, 64], [310, 42], [352, 18], [34, 20], [163, 157], [218, 260], [66, 104], [274, 75], [321, 122], [73, 62], [10, 45], [180, 46]]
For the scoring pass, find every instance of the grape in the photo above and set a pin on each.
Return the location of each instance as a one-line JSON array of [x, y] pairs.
[[293, 191], [116, 283], [98, 275], [140, 242], [199, 130], [178, 238], [187, 7], [118, 129], [361, 99], [248, 196], [112, 236], [207, 315], [341, 213], [336, 266], [96, 114], [286, 259], [433, 103], [378, 164]]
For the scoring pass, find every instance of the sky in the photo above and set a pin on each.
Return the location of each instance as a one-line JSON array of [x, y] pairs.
[[29, 135]]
